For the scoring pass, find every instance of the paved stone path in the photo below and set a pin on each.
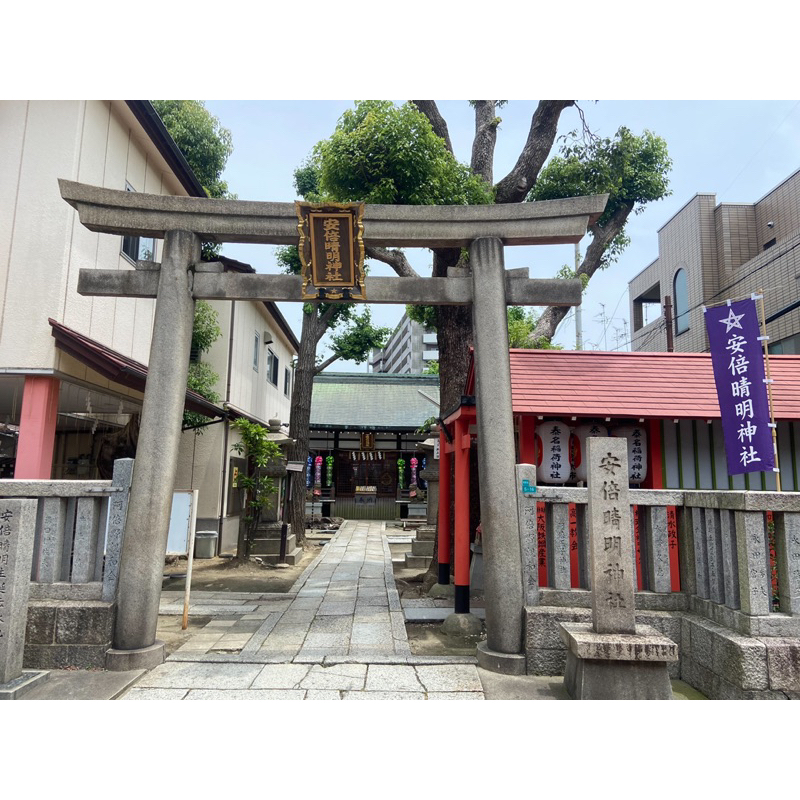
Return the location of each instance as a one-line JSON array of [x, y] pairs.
[[339, 634]]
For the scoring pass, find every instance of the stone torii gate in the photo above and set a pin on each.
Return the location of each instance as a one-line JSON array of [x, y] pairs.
[[181, 278]]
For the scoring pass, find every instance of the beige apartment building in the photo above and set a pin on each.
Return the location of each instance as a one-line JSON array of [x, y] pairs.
[[710, 252], [73, 368]]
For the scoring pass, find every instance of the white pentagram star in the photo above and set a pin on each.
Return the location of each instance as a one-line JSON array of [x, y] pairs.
[[732, 321]]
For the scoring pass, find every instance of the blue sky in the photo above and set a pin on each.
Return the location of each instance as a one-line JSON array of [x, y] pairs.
[[738, 150]]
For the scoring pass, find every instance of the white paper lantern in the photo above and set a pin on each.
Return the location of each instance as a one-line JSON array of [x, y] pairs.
[[578, 452], [637, 450], [554, 467]]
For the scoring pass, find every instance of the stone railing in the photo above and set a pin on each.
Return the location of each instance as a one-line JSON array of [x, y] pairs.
[[709, 552], [79, 527]]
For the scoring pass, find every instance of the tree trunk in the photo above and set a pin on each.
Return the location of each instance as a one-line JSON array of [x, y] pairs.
[[454, 335], [300, 419]]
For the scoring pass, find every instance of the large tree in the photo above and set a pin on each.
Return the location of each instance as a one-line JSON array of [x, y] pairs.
[[352, 338], [380, 153]]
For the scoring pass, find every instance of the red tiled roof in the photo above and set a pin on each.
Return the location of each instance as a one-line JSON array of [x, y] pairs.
[[118, 368], [632, 385]]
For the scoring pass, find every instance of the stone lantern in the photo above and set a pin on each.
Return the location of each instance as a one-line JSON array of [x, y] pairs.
[[267, 542], [422, 547]]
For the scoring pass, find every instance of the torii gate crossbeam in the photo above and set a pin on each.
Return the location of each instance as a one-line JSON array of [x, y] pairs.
[[180, 278]]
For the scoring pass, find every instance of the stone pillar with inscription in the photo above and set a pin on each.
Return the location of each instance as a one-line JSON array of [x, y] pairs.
[[613, 658], [17, 529]]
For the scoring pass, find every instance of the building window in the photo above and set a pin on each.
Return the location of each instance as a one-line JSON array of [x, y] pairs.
[[681, 292], [137, 248], [256, 343], [287, 381], [272, 367]]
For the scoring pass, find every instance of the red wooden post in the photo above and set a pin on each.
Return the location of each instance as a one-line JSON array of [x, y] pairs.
[[444, 510], [574, 568], [461, 516], [655, 476], [672, 542]]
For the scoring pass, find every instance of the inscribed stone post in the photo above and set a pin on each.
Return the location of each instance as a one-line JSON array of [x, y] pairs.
[[17, 528], [610, 534], [526, 511]]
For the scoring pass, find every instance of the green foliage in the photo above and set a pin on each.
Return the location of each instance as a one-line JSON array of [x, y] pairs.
[[260, 452], [632, 169], [387, 154], [431, 368], [568, 273], [426, 426], [206, 328], [205, 144], [425, 315], [202, 379], [356, 341]]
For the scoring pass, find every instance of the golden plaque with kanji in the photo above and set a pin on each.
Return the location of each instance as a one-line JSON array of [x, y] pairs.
[[331, 249]]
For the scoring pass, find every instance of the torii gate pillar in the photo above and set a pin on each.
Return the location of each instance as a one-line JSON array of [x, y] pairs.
[[502, 651]]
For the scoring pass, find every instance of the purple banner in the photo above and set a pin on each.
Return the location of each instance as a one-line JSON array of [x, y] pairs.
[[737, 356]]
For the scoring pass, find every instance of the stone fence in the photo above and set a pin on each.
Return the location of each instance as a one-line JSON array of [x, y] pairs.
[[716, 571], [75, 566]]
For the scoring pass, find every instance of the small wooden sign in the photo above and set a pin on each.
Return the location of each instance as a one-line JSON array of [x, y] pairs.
[[331, 249], [367, 441]]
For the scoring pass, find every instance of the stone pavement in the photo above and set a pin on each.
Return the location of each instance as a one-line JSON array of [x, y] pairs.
[[339, 634]]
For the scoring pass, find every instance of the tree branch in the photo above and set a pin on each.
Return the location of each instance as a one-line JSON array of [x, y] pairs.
[[429, 109], [396, 259], [326, 363], [515, 186], [486, 123], [322, 322], [601, 239]]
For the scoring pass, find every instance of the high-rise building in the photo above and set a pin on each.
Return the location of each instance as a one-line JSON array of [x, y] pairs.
[[410, 349]]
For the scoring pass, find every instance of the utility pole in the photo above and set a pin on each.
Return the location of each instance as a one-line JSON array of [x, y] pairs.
[[578, 321], [668, 320]]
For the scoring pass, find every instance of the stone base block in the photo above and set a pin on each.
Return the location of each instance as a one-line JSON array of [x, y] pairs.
[[615, 666], [504, 663], [416, 562], [422, 547], [271, 546], [15, 689], [441, 590], [140, 658], [462, 626], [587, 679]]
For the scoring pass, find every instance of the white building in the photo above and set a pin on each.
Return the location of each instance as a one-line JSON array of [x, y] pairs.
[[72, 368]]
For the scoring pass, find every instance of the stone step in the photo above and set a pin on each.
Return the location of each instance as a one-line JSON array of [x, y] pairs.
[[417, 562], [426, 534], [422, 548], [293, 557]]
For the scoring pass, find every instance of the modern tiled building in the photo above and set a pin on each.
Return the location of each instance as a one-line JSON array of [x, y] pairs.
[[410, 348], [711, 252]]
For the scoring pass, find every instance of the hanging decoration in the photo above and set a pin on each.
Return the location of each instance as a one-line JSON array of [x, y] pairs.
[[309, 464], [422, 483], [577, 448], [401, 473], [318, 475], [413, 485], [328, 470], [637, 450], [555, 467]]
